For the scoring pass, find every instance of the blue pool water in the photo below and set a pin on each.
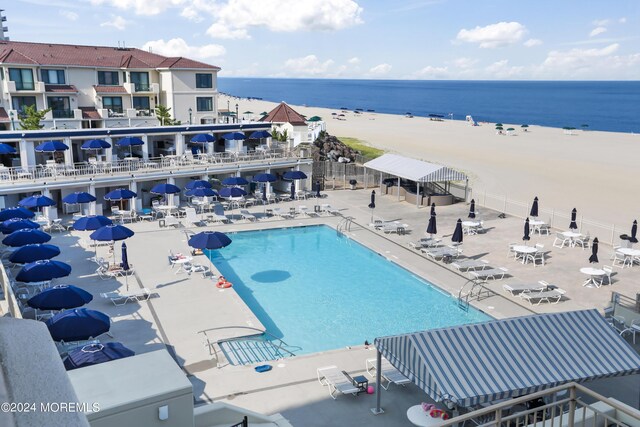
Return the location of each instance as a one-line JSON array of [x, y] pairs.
[[321, 291]]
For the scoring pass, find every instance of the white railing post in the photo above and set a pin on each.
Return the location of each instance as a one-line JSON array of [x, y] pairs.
[[613, 233]]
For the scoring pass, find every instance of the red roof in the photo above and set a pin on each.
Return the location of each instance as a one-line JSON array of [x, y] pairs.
[[90, 113], [284, 114], [27, 53], [61, 88], [109, 89], [4, 117]]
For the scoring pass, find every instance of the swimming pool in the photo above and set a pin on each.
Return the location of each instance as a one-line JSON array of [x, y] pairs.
[[320, 290]]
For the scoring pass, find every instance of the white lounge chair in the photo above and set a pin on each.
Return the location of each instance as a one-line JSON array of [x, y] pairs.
[[447, 251], [218, 214], [388, 372], [395, 227], [280, 214], [247, 216], [171, 220], [304, 211], [326, 208], [192, 218], [470, 264], [337, 381], [118, 298], [518, 288], [552, 296], [490, 273]]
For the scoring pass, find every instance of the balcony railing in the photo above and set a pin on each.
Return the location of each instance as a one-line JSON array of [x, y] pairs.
[[62, 114], [25, 86], [186, 162], [142, 87]]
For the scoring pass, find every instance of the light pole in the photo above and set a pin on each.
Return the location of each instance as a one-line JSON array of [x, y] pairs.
[[228, 110], [190, 112], [12, 125], [237, 117]]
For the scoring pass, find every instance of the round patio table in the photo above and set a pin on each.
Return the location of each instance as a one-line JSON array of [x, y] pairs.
[[419, 417], [524, 251], [593, 273]]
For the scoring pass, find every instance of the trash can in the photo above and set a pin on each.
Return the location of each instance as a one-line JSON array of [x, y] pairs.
[[353, 184], [625, 241]]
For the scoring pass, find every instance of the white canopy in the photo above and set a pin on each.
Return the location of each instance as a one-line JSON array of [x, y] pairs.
[[414, 170]]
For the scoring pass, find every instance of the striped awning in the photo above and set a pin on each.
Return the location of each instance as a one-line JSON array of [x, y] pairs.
[[414, 170], [483, 362]]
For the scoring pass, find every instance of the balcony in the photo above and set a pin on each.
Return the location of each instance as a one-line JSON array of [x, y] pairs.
[[62, 114], [12, 87], [133, 88]]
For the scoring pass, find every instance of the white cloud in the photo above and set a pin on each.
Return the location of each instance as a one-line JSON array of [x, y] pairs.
[[71, 16], [597, 30], [221, 31], [622, 20], [494, 35], [464, 62], [532, 42], [502, 70], [179, 47], [308, 65], [589, 63], [141, 7], [354, 61], [117, 22], [601, 22], [380, 70], [430, 72]]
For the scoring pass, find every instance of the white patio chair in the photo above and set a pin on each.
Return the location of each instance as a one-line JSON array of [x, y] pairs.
[[538, 255], [337, 381], [192, 218], [561, 240], [582, 241], [247, 216], [388, 372]]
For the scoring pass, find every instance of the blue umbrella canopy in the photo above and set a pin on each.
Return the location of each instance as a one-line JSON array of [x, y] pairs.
[[91, 222], [457, 233], [94, 354], [265, 177], [294, 175], [79, 197], [165, 189], [534, 208], [6, 149], [260, 134], [201, 192], [130, 141], [197, 183], [110, 233], [527, 230], [432, 227], [232, 192], [634, 231], [36, 201], [209, 240], [51, 147], [572, 224], [125, 258], [17, 212], [472, 209], [234, 135], [34, 252], [95, 144], [202, 138], [25, 237], [60, 297], [234, 180], [594, 251], [41, 271], [15, 224], [120, 194], [78, 324]]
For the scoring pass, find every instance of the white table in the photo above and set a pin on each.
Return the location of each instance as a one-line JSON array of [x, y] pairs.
[[470, 227], [181, 262], [524, 251], [630, 255], [593, 274], [536, 224], [419, 417], [572, 235]]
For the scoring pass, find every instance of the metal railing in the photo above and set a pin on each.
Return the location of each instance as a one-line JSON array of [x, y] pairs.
[[62, 114], [243, 423]]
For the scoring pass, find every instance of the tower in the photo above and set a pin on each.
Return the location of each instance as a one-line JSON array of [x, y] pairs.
[[3, 19]]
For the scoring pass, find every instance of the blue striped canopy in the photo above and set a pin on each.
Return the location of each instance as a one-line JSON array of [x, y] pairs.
[[483, 362]]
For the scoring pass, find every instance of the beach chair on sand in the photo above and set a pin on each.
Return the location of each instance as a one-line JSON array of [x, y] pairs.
[[118, 298], [388, 372], [337, 381]]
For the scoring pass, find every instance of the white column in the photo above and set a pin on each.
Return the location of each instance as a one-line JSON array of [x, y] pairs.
[[145, 148], [92, 205], [171, 197], [27, 153], [268, 184], [68, 154], [108, 152], [179, 144], [133, 186], [45, 210]]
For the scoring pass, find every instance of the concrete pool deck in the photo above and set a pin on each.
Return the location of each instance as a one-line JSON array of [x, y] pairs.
[[184, 304]]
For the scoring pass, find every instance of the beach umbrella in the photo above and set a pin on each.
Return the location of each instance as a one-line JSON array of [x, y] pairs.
[[34, 252], [15, 224], [51, 147], [111, 233], [372, 203], [94, 354], [36, 201], [293, 190], [78, 324], [234, 180], [201, 192], [197, 183], [264, 178], [432, 227], [60, 297], [534, 208], [232, 192], [294, 175], [264, 113], [91, 222], [499, 128], [203, 138], [572, 224], [318, 195], [315, 119], [527, 230], [498, 124], [510, 129], [119, 195], [457, 233], [26, 237], [95, 145], [259, 134], [234, 136], [6, 149], [125, 263], [524, 126], [130, 141], [43, 270], [16, 212], [472, 209], [634, 231], [594, 251], [433, 209], [79, 197], [165, 188], [209, 240]]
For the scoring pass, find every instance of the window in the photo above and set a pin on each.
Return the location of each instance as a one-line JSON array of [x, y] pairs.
[[204, 81], [141, 81], [108, 78], [113, 103], [204, 104], [141, 102], [60, 107], [20, 102], [54, 77], [23, 78]]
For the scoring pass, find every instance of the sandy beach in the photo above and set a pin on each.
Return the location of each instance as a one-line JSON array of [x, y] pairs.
[[595, 172]]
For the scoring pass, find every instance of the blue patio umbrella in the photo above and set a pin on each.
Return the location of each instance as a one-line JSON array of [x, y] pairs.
[[534, 208], [6, 149], [34, 252], [95, 144], [526, 236], [318, 195], [293, 190], [235, 180], [432, 227], [120, 194], [264, 178], [125, 263], [60, 297], [111, 233], [572, 224], [232, 192], [457, 233], [130, 141], [202, 138], [25, 237], [294, 175], [634, 231], [78, 324], [16, 212], [260, 134], [165, 189], [197, 183], [91, 222], [15, 224], [43, 270], [209, 240], [79, 197], [201, 192], [472, 209], [94, 354], [594, 251], [36, 201], [51, 147], [234, 136]]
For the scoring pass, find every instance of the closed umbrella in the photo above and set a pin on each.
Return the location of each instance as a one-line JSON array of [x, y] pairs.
[[94, 354], [235, 180], [594, 251], [433, 209], [293, 190], [125, 263], [197, 183], [209, 240], [534, 208], [457, 233], [634, 231], [42, 271], [16, 212], [34, 252], [472, 209], [432, 227], [526, 236], [60, 297], [372, 203], [572, 224], [318, 195], [6, 149], [25, 237], [78, 324], [130, 141], [15, 224]]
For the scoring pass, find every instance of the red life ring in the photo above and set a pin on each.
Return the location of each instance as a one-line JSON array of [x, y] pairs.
[[223, 283]]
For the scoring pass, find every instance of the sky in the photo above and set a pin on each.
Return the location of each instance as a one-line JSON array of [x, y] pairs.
[[362, 39]]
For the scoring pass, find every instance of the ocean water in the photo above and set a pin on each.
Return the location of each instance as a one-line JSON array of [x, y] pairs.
[[320, 291], [602, 105]]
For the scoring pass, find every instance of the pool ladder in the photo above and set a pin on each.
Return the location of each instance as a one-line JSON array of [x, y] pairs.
[[473, 288], [344, 224]]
